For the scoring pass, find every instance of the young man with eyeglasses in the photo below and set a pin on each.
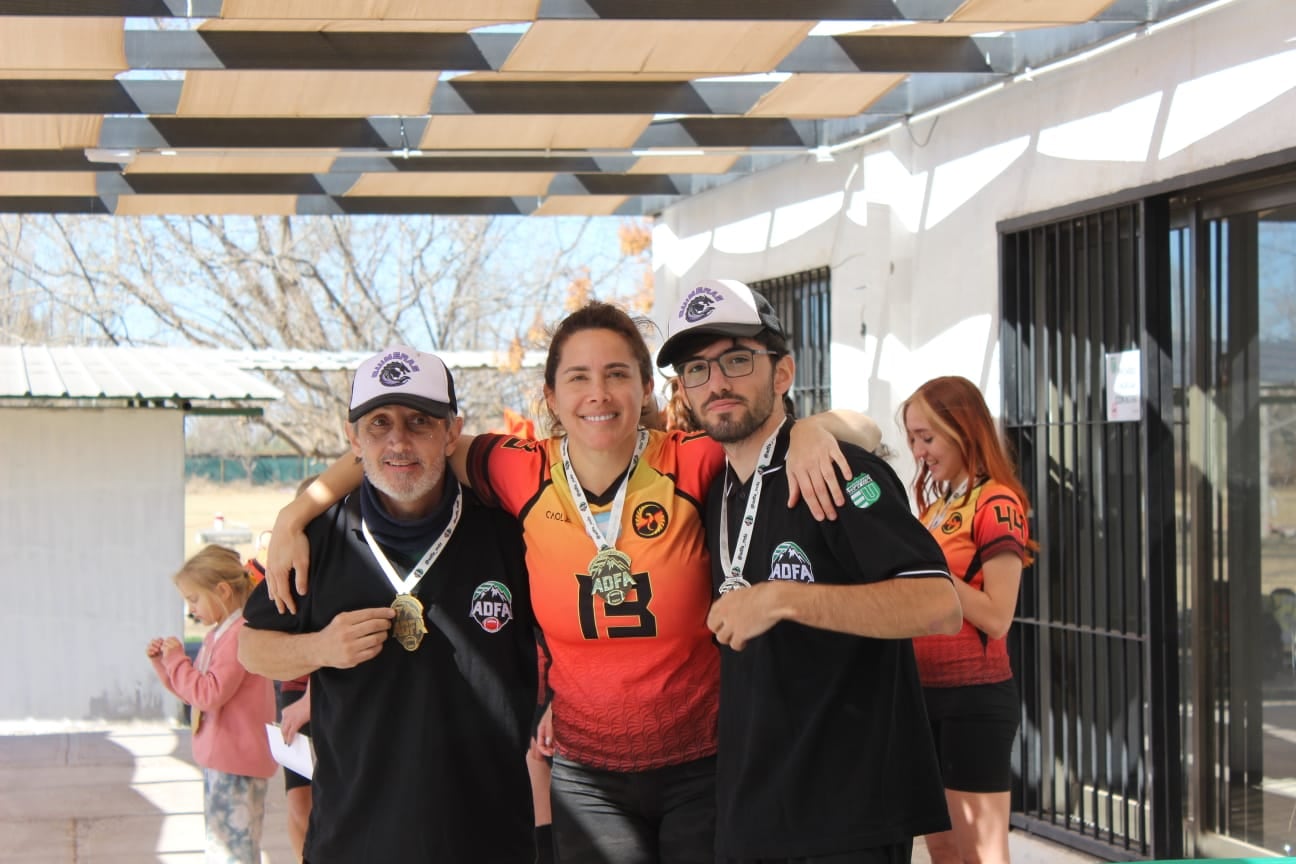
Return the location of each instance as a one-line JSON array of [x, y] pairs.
[[418, 637], [825, 754]]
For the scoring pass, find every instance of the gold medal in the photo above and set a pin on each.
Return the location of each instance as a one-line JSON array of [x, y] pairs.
[[408, 628], [609, 572]]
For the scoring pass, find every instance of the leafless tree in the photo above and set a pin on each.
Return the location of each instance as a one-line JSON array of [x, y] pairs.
[[316, 284]]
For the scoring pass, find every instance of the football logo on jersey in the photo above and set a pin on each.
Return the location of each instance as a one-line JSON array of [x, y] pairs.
[[649, 520], [863, 491], [790, 564], [492, 606], [952, 524]]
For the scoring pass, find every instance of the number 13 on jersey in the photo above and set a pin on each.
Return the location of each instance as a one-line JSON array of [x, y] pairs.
[[624, 616]]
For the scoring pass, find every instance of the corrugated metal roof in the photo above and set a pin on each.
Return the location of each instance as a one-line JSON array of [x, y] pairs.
[[330, 361], [192, 374]]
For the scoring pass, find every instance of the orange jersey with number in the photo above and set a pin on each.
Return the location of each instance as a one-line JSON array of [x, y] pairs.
[[991, 523], [635, 673]]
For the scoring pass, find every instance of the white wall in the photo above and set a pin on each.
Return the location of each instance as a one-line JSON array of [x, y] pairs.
[[908, 222], [91, 529]]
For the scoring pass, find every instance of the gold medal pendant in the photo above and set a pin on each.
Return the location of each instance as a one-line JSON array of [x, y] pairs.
[[609, 571], [408, 628]]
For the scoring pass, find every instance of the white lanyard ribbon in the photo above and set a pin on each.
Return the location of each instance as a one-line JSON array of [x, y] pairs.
[[602, 541], [938, 516], [407, 585], [733, 568]]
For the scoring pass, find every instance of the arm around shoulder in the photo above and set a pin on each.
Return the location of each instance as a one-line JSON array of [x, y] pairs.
[[851, 427]]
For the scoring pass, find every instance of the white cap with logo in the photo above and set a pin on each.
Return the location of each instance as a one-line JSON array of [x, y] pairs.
[[400, 375], [719, 307]]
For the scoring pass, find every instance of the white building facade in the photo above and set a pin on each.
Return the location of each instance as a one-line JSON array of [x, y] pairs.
[[1139, 198]]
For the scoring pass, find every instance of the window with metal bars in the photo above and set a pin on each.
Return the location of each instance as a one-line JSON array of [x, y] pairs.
[[1074, 292], [803, 302]]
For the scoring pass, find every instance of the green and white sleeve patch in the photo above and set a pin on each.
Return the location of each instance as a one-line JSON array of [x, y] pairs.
[[863, 491]]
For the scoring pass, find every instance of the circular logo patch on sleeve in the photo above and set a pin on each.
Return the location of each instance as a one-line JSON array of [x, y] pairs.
[[863, 491]]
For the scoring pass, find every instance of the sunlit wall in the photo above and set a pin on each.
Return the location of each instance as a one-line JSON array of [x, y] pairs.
[[907, 222]]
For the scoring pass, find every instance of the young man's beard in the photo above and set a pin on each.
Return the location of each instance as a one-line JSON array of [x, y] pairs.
[[738, 425]]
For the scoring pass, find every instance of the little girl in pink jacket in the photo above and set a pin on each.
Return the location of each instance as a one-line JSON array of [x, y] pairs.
[[229, 706]]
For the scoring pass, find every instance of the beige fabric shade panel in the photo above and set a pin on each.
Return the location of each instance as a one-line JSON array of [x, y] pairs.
[[562, 107]]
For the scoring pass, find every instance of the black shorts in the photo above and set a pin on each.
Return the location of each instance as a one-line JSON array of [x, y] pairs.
[[974, 728], [283, 698]]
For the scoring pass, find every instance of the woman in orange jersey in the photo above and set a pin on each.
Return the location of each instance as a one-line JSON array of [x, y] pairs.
[[611, 516], [969, 497]]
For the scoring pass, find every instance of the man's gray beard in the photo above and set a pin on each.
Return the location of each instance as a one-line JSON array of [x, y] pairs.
[[412, 494]]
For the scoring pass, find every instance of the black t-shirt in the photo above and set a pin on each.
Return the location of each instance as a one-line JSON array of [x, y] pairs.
[[420, 756], [824, 742]]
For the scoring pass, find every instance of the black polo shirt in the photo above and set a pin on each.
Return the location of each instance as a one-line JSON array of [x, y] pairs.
[[824, 742], [420, 756]]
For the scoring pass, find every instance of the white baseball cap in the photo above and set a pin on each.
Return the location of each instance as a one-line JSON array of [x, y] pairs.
[[399, 375], [720, 307]]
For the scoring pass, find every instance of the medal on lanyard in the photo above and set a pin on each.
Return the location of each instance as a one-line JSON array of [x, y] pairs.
[[733, 568], [609, 569], [408, 627]]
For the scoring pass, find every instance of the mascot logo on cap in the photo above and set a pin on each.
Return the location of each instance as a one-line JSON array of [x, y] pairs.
[[699, 304], [396, 369]]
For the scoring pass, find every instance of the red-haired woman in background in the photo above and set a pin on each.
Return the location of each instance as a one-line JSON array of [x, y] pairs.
[[969, 497]]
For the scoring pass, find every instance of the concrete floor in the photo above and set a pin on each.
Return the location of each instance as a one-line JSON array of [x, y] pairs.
[[131, 794], [111, 794]]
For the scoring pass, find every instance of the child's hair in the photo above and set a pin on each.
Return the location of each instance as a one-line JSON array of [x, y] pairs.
[[213, 565], [678, 414]]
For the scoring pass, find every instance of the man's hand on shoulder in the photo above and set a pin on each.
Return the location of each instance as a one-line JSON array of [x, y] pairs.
[[353, 637]]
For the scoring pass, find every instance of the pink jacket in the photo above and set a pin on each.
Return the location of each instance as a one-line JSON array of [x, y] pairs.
[[235, 705]]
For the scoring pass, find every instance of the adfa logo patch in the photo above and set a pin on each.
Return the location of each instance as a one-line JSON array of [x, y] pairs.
[[492, 606], [790, 564], [863, 490]]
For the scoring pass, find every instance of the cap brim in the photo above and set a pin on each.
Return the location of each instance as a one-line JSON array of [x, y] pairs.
[[670, 352], [418, 403]]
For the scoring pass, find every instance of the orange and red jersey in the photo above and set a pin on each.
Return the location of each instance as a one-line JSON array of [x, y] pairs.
[[991, 522], [635, 685]]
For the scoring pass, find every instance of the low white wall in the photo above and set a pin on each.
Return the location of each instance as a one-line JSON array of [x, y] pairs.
[[91, 528], [908, 222]]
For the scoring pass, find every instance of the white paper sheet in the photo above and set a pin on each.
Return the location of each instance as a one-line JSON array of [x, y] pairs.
[[297, 756]]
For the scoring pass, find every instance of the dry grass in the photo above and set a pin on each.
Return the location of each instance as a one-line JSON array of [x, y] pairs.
[[240, 504]]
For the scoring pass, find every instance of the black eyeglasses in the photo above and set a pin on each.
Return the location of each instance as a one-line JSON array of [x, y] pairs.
[[734, 363]]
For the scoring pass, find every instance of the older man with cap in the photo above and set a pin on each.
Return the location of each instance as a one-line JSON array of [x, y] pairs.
[[824, 750], [418, 638]]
